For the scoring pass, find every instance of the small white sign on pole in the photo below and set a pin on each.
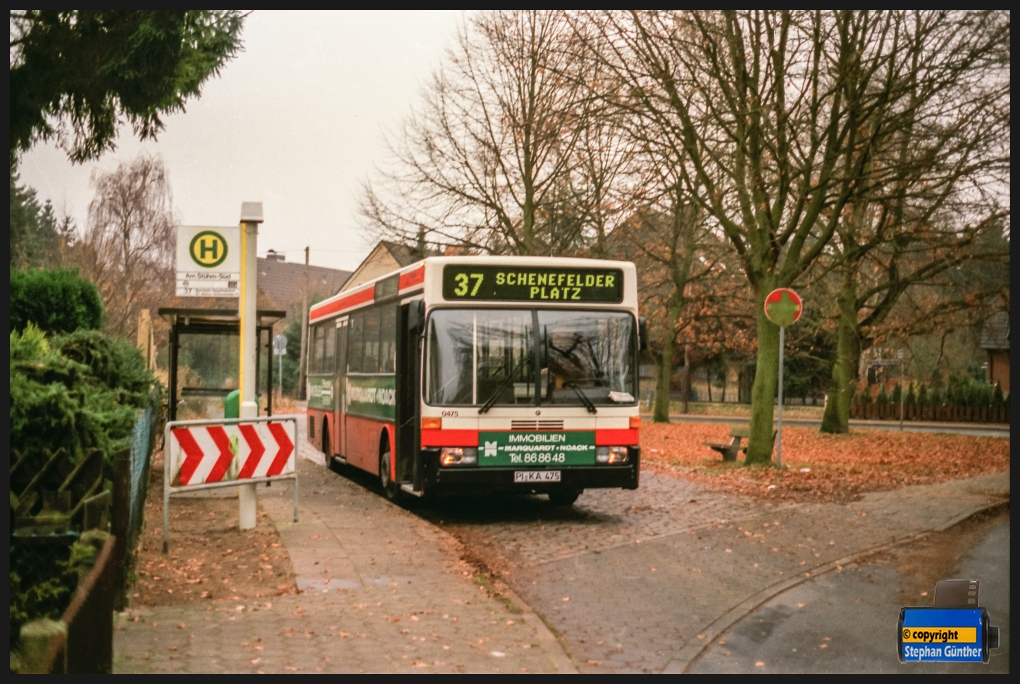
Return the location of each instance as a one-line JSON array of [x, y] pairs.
[[208, 261]]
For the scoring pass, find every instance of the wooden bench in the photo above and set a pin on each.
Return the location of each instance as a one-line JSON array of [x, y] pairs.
[[729, 451]]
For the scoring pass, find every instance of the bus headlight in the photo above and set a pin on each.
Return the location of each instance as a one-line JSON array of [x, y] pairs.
[[451, 456], [615, 454]]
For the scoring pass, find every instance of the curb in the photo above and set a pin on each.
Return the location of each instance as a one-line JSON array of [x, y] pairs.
[[690, 652], [552, 646]]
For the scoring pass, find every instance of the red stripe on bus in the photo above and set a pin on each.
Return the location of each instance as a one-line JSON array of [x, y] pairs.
[[616, 437], [450, 438], [412, 278], [347, 302]]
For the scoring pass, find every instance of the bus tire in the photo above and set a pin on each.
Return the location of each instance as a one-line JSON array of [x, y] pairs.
[[564, 497], [389, 487], [325, 448]]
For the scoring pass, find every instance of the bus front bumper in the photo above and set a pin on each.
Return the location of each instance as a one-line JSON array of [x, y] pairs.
[[440, 480]]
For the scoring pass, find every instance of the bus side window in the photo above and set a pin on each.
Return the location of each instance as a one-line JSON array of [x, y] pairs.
[[355, 344], [327, 356], [388, 340], [319, 338], [370, 363], [310, 361]]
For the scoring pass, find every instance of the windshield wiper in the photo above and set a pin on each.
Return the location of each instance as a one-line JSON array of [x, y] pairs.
[[491, 401], [584, 400]]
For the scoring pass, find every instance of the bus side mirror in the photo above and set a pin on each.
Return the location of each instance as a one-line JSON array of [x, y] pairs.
[[642, 333], [415, 317]]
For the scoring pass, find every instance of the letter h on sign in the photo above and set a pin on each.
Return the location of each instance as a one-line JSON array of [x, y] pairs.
[[206, 245]]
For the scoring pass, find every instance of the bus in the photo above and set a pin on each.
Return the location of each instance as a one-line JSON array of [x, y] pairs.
[[478, 374]]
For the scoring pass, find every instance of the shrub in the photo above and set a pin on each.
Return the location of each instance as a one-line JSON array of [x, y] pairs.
[[883, 397], [998, 400], [78, 391], [911, 397], [56, 301]]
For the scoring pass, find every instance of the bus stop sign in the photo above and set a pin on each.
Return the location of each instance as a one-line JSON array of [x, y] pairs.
[[783, 307]]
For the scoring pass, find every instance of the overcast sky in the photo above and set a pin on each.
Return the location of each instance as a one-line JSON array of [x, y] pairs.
[[295, 121]]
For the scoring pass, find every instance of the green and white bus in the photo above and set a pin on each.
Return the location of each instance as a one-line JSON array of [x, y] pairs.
[[482, 374]]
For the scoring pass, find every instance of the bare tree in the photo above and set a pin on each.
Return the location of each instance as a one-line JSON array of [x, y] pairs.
[[780, 115], [128, 246], [485, 162], [948, 188]]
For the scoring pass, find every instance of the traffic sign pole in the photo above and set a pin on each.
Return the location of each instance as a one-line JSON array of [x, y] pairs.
[[779, 419], [280, 348], [251, 217]]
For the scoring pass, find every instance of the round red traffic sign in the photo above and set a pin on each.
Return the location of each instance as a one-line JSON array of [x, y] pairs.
[[783, 306]]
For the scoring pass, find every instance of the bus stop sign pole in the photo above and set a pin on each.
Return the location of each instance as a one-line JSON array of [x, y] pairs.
[[251, 217]]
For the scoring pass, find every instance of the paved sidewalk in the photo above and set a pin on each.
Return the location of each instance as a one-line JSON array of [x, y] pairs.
[[381, 591]]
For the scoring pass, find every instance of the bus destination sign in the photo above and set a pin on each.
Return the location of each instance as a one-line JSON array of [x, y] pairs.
[[466, 282]]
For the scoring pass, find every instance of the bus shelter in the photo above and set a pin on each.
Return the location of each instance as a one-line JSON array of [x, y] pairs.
[[217, 323]]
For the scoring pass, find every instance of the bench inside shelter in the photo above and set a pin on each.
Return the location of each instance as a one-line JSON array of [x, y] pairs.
[[738, 434]]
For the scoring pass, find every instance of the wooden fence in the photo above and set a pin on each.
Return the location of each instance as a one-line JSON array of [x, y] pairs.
[[87, 647]]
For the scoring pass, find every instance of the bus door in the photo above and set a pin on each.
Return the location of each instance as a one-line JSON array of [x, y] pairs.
[[339, 387], [408, 414]]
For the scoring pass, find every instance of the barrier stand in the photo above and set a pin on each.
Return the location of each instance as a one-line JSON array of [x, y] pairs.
[[226, 453]]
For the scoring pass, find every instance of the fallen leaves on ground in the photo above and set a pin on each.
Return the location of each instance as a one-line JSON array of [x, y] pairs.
[[819, 467], [210, 558]]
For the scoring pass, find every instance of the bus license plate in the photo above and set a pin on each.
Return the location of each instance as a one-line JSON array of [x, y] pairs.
[[537, 476]]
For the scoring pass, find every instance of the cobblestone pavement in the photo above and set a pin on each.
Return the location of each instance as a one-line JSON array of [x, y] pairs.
[[641, 581], [381, 591]]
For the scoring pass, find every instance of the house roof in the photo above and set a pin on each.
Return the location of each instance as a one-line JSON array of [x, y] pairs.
[[384, 258], [402, 254], [283, 281], [995, 331]]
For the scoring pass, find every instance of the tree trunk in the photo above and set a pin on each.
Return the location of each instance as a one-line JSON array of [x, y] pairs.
[[836, 419], [763, 392]]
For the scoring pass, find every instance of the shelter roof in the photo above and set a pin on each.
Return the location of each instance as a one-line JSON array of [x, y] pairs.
[[217, 317]]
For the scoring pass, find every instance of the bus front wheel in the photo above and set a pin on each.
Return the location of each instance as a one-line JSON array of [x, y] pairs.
[[390, 488]]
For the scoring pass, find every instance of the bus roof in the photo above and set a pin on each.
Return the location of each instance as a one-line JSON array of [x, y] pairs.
[[425, 276]]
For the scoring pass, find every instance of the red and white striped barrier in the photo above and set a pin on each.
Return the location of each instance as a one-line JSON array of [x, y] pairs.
[[223, 453], [203, 454]]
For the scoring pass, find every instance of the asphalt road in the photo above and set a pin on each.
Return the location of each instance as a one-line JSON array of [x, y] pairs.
[[976, 429], [845, 620]]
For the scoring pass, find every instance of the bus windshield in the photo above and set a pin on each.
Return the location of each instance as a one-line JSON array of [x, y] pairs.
[[494, 357]]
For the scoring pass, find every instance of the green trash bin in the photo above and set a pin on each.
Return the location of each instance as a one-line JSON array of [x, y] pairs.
[[232, 404]]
